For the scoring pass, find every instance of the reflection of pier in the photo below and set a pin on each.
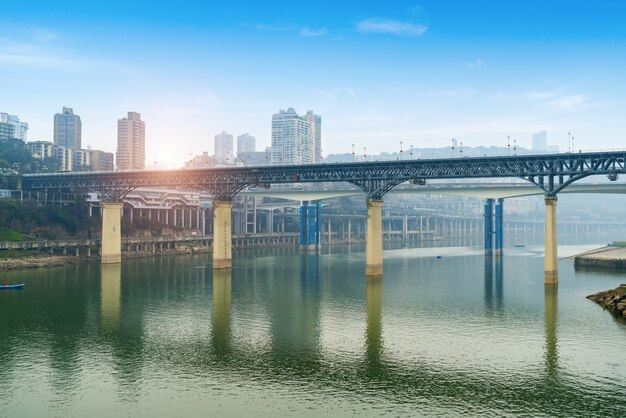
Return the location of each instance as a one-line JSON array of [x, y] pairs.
[[110, 293], [373, 331], [551, 315], [221, 330]]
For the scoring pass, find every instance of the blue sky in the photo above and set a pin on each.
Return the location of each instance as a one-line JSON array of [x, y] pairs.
[[378, 72]]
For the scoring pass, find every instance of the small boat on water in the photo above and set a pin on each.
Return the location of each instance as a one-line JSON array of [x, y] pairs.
[[11, 286]]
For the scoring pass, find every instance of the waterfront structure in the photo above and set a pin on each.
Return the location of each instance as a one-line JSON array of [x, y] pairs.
[[131, 143], [255, 158], [100, 160], [12, 128], [223, 147], [293, 140], [315, 121], [68, 129], [245, 143]]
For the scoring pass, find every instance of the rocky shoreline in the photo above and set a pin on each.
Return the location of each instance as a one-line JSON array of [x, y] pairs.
[[613, 300]]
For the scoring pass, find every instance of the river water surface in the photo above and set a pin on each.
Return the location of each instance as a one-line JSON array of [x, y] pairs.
[[446, 331]]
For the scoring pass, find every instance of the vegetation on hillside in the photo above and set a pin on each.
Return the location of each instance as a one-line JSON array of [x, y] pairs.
[[15, 157], [46, 222]]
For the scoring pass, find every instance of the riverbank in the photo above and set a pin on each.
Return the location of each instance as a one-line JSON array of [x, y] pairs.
[[613, 300], [609, 257], [17, 260]]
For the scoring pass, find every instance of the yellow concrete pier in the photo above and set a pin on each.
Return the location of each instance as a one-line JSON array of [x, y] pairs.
[[551, 268], [374, 239], [111, 233], [222, 235]]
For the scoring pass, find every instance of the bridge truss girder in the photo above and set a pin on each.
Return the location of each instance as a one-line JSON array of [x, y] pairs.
[[550, 172]]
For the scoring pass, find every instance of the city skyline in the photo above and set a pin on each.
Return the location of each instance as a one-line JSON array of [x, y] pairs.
[[418, 72]]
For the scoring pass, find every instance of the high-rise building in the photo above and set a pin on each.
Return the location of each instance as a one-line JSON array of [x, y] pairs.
[[224, 148], [67, 129], [540, 141], [316, 132], [11, 127], [246, 143], [131, 143], [100, 160], [292, 138]]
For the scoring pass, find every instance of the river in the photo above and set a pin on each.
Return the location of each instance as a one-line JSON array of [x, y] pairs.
[[446, 332]]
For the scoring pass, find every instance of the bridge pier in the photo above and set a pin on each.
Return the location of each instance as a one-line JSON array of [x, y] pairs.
[[551, 269], [111, 251], [499, 226], [310, 226], [488, 226], [222, 235], [374, 238]]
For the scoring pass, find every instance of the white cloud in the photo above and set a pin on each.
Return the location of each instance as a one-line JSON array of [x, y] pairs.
[[571, 102], [312, 32], [458, 93], [280, 27], [477, 63], [39, 54], [390, 27], [559, 100], [537, 96]]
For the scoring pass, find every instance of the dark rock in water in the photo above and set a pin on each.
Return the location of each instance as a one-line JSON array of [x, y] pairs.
[[612, 300]]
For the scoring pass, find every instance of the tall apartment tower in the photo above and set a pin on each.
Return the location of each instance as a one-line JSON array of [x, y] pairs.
[[223, 146], [292, 138], [246, 143], [131, 143], [316, 132], [67, 129]]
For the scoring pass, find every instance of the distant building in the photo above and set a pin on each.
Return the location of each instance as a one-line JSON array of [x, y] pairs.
[[41, 149], [65, 157], [315, 121], [255, 158], [11, 127], [540, 141], [47, 149], [223, 147], [246, 143], [101, 160], [131, 143], [81, 160], [67, 129], [203, 160], [292, 137]]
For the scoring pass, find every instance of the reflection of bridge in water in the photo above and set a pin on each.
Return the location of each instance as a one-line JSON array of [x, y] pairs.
[[550, 173], [293, 348]]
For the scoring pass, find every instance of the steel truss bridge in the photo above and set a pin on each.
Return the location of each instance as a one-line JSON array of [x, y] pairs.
[[551, 172]]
